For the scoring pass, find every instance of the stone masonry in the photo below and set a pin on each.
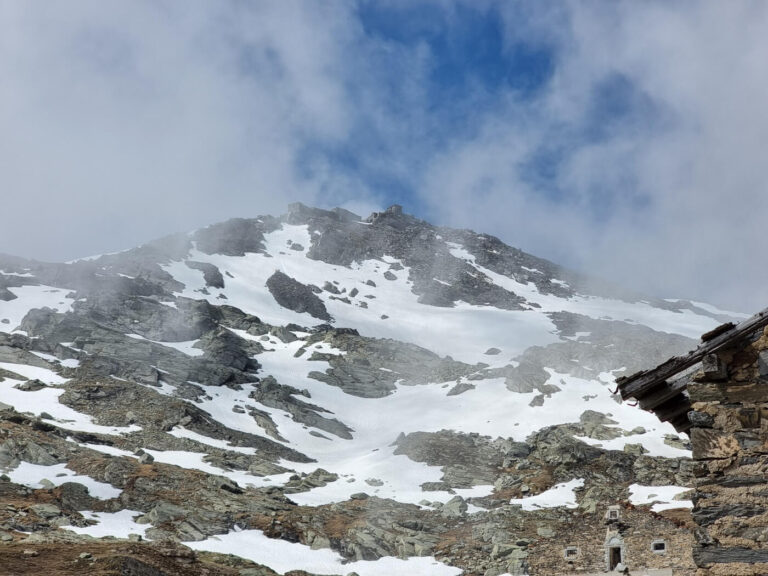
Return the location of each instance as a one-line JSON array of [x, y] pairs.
[[729, 396]]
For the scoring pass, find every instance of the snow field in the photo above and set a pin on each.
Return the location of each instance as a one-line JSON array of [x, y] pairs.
[[185, 347], [47, 400], [489, 409], [31, 475], [558, 495], [282, 556], [30, 297], [181, 432], [45, 375], [68, 363], [662, 497], [442, 330], [686, 323], [104, 449], [117, 524], [194, 461]]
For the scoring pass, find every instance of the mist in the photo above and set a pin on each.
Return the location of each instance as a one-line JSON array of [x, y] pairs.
[[635, 155]]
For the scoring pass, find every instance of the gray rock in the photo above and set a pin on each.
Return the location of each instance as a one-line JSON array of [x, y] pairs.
[[211, 273], [146, 458], [165, 512], [296, 296], [460, 388], [46, 510], [455, 507], [75, 496], [274, 395], [329, 287]]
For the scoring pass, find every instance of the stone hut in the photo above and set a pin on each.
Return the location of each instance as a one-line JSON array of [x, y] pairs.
[[618, 539], [718, 394]]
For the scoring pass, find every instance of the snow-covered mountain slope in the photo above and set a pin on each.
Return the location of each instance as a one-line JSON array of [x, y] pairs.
[[317, 359]]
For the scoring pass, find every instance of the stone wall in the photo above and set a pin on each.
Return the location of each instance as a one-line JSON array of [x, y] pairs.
[[589, 536], [729, 397]]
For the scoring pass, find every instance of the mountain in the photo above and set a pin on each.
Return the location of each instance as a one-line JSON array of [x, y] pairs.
[[318, 387]]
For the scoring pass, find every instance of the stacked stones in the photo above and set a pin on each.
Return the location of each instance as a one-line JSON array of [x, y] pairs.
[[729, 397]]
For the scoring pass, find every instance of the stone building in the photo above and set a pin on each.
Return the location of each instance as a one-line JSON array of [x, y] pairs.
[[718, 394], [614, 538]]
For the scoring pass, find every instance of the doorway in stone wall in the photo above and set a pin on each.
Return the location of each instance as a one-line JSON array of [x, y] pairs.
[[614, 551], [614, 557]]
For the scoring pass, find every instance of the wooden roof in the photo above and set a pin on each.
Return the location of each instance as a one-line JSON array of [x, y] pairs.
[[663, 389]]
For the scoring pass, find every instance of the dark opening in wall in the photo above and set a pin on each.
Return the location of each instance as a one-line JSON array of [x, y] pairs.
[[614, 557]]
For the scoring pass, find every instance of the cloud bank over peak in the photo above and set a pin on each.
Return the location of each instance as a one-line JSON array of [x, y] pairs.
[[622, 138]]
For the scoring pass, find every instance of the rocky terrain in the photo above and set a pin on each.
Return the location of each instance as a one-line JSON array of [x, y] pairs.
[[323, 393]]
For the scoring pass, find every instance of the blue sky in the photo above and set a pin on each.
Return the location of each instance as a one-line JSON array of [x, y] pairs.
[[615, 137]]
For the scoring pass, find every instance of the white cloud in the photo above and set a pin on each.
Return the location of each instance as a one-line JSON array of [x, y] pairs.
[[123, 122], [685, 183]]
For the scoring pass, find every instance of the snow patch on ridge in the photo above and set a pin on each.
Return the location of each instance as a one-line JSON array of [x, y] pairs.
[[194, 461], [662, 497], [441, 330], [116, 524], [31, 475], [559, 495]]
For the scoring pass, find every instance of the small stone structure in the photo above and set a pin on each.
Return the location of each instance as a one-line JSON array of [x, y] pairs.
[[612, 539], [722, 390]]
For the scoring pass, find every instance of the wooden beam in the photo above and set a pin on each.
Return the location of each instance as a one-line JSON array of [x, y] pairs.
[[638, 384], [674, 408], [658, 396]]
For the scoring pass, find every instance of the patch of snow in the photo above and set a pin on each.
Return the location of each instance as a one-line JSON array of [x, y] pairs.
[[485, 410], [194, 461], [181, 432], [104, 449], [715, 310], [559, 495], [433, 327], [29, 298], [34, 373], [662, 497], [686, 323], [653, 442], [31, 474], [44, 356], [118, 524], [185, 347], [47, 400], [282, 556], [458, 251]]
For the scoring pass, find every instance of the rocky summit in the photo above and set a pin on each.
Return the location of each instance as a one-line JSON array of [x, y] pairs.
[[323, 393]]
